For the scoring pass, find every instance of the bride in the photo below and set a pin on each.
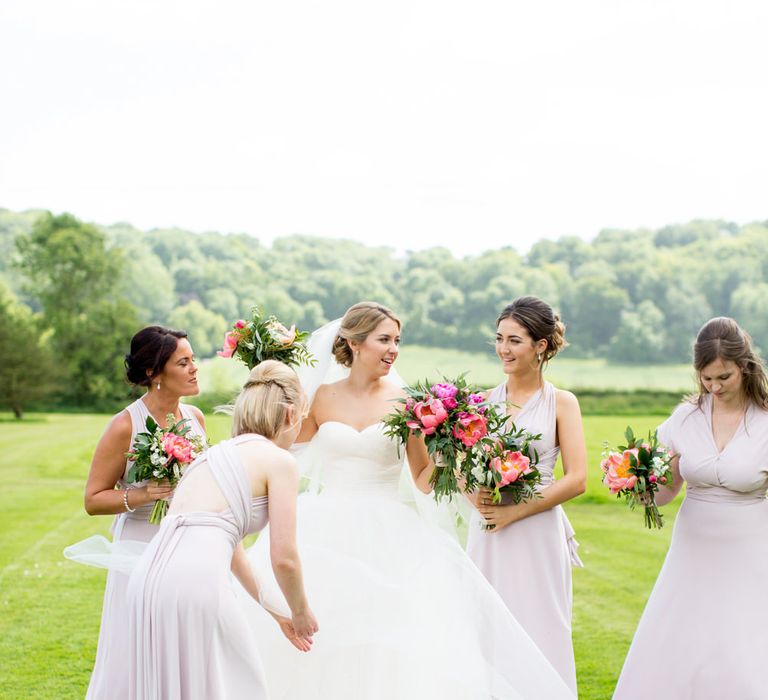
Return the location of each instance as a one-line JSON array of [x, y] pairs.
[[405, 613]]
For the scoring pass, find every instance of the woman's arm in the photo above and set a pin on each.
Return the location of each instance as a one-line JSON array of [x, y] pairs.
[[419, 462], [665, 494], [308, 429], [283, 485], [310, 424], [242, 570], [570, 436], [107, 467]]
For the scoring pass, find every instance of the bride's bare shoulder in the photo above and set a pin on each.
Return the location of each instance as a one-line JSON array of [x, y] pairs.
[[327, 392]]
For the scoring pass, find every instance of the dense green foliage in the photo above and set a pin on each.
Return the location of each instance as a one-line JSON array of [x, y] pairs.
[[23, 345], [72, 274], [51, 607], [631, 297]]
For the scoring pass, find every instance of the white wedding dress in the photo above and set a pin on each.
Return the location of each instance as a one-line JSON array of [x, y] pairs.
[[403, 612]]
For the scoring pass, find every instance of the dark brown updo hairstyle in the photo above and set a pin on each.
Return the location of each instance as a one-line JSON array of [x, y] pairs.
[[359, 321], [151, 348], [721, 338], [541, 322]]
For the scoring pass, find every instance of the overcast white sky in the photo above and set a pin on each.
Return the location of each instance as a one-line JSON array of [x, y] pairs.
[[410, 123]]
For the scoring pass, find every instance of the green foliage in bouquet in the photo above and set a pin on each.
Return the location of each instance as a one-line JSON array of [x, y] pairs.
[[265, 338], [635, 471], [452, 418], [508, 464]]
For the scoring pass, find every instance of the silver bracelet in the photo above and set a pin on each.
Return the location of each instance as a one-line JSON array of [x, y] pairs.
[[125, 500]]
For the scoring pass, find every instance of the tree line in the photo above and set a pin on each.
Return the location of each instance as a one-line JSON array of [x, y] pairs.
[[73, 293]]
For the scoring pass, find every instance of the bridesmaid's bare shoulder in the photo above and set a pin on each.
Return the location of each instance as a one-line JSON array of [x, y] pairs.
[[567, 403], [119, 428]]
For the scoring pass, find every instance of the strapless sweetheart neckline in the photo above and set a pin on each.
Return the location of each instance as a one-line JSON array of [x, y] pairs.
[[351, 427]]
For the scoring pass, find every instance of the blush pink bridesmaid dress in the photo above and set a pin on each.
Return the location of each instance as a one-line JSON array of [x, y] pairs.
[[109, 680], [529, 562], [704, 632]]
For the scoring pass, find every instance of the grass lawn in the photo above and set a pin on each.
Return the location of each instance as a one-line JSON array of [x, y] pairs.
[[416, 363], [51, 607]]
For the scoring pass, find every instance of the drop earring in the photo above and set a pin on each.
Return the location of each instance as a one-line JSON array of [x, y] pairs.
[[158, 386]]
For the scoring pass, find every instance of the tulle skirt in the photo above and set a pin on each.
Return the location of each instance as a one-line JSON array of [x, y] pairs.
[[403, 613]]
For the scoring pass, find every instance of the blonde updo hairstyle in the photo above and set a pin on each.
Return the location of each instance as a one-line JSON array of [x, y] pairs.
[[541, 322], [261, 407], [358, 323]]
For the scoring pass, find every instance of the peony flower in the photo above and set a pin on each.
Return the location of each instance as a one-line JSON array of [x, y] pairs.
[[616, 467], [429, 415], [475, 400], [282, 335], [230, 345], [177, 447], [470, 427], [444, 391], [447, 394], [511, 467], [240, 323]]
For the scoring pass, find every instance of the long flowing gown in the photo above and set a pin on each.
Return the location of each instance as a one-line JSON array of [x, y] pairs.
[[704, 632], [109, 680], [535, 554], [187, 637], [403, 612]]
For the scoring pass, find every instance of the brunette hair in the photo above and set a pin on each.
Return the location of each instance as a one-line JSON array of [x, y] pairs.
[[359, 321], [262, 404], [721, 338], [151, 348], [541, 322]]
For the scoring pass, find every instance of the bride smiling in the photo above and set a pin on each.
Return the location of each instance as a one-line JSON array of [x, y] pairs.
[[405, 613]]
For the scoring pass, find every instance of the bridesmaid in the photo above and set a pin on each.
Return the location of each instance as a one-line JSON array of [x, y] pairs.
[[526, 551], [704, 631], [188, 636], [162, 361]]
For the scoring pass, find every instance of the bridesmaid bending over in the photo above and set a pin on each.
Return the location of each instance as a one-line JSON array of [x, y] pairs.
[[162, 361], [526, 551], [704, 631], [188, 636]]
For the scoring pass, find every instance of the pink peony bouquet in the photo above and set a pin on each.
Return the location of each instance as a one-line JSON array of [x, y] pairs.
[[635, 471], [265, 338], [452, 417], [160, 455], [508, 465]]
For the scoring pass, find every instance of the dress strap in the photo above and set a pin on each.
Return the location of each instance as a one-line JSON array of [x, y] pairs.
[[498, 394], [227, 469], [187, 412], [246, 437], [139, 414]]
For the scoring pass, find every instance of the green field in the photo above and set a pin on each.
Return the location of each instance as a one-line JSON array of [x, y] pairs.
[[51, 607], [416, 363]]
